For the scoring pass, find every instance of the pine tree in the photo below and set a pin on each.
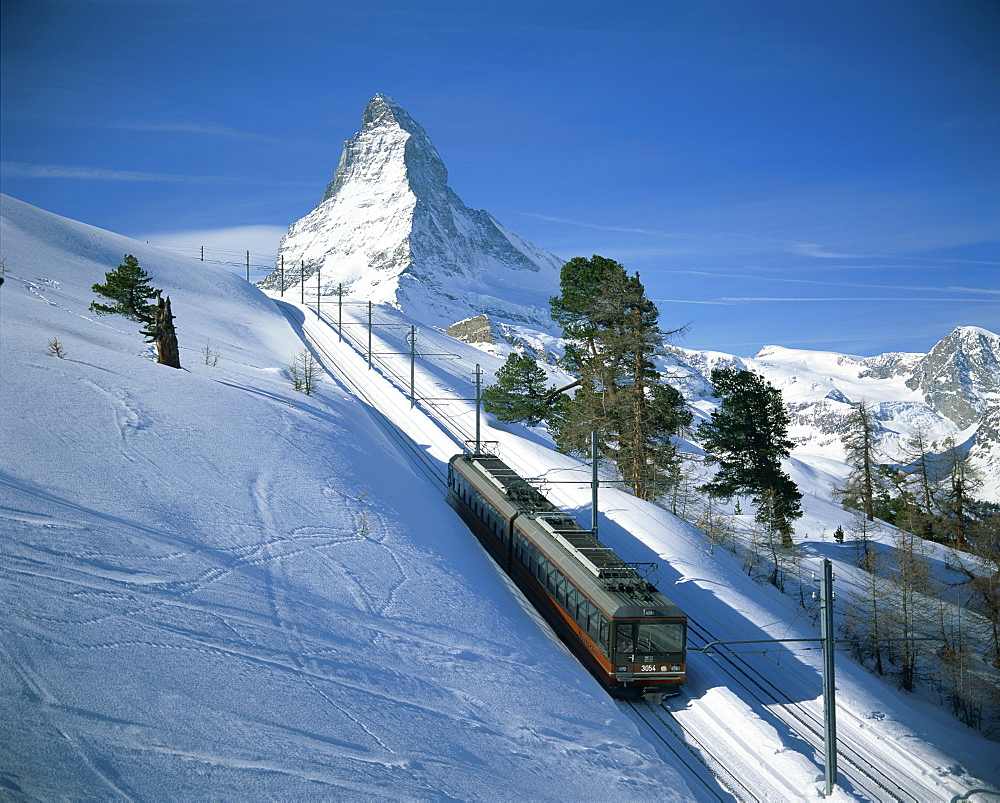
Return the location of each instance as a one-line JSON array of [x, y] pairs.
[[520, 392], [865, 615], [861, 486], [907, 611], [962, 481], [129, 290], [746, 437], [131, 294], [613, 334], [924, 474]]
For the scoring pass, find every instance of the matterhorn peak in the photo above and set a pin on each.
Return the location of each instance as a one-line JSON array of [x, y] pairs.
[[383, 111], [389, 229]]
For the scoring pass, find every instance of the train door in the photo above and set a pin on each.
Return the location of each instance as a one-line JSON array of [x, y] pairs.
[[624, 643]]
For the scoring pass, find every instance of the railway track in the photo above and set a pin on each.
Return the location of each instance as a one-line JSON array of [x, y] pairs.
[[710, 774], [874, 782], [716, 775]]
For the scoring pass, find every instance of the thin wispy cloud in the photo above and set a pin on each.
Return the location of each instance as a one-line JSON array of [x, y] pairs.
[[27, 170], [845, 299], [816, 250], [601, 227], [841, 284], [187, 128], [714, 302], [184, 127]]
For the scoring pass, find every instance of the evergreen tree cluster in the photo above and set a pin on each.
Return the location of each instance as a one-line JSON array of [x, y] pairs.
[[612, 333], [928, 493], [747, 437], [520, 392]]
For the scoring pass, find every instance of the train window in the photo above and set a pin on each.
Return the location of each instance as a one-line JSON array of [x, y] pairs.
[[603, 638], [594, 625], [561, 589], [625, 641], [543, 570], [571, 600], [660, 639]]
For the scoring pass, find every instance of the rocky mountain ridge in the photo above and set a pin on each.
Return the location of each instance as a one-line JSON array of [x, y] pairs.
[[950, 394], [389, 229]]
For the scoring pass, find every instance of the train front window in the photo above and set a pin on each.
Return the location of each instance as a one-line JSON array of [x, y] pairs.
[[625, 642], [660, 639], [645, 641]]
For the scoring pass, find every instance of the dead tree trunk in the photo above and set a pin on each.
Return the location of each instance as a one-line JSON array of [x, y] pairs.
[[161, 330]]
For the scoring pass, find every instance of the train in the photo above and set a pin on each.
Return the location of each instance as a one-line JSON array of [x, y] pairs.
[[630, 636]]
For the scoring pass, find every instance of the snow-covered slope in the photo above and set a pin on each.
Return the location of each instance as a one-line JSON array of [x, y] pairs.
[[214, 587], [391, 230], [211, 586]]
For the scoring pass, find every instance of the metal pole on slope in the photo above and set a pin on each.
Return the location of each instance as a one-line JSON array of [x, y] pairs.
[[593, 483], [413, 359], [302, 280], [340, 311], [479, 383], [318, 270], [282, 275], [369, 335], [248, 267], [829, 683]]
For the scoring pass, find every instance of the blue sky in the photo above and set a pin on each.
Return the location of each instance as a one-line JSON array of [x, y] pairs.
[[812, 174]]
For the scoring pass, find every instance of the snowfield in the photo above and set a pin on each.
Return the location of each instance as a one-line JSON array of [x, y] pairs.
[[212, 586]]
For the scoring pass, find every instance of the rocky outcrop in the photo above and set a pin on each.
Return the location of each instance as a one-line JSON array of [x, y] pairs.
[[960, 377]]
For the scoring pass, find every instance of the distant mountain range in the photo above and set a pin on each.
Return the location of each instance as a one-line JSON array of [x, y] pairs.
[[951, 392]]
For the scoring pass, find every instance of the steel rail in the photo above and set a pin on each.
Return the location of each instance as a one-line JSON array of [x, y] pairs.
[[692, 752], [855, 764]]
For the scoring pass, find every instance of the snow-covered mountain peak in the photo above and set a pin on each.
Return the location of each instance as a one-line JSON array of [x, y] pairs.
[[960, 376], [391, 150], [950, 393], [390, 230]]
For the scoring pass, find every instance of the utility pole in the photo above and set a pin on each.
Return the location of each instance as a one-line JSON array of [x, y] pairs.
[[829, 637], [340, 311], [302, 280], [413, 359], [202, 253], [248, 267], [282, 275], [593, 483], [479, 383], [369, 335], [317, 290]]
